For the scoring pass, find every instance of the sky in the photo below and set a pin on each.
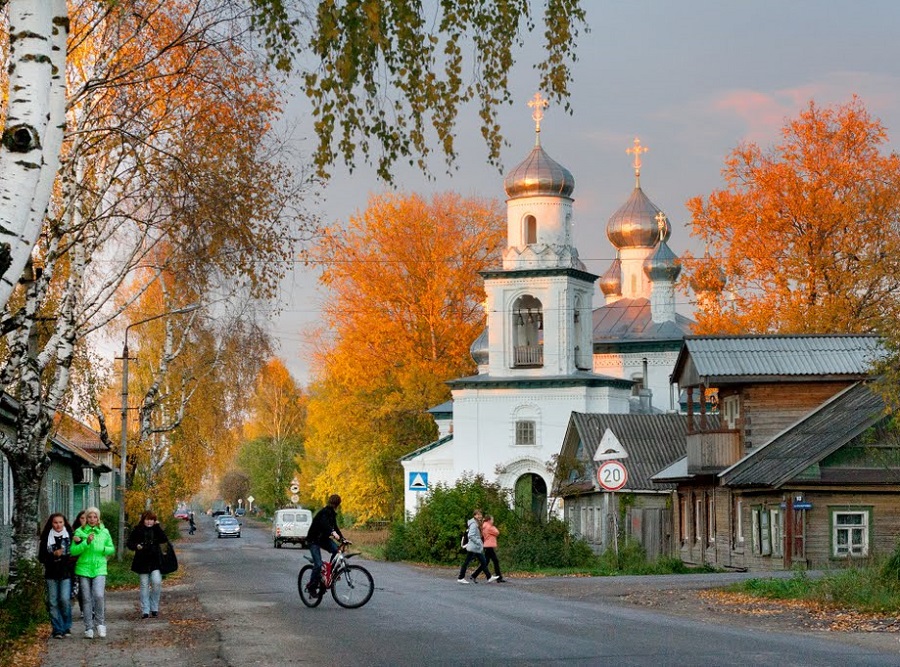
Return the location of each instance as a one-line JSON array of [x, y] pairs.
[[691, 78]]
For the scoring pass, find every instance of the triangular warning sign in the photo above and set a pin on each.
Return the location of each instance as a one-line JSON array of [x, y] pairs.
[[417, 482], [610, 448]]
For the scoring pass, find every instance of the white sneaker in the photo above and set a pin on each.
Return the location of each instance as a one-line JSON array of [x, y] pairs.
[[494, 578], [101, 631], [88, 634], [463, 581]]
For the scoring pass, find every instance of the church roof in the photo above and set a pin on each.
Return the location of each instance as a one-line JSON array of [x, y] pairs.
[[539, 174], [630, 321], [427, 448], [577, 379]]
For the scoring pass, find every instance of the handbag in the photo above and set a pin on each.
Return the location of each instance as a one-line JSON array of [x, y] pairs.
[[168, 561]]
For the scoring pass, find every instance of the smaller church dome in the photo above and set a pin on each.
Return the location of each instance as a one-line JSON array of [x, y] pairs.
[[539, 174], [479, 348], [662, 264], [635, 225], [611, 281]]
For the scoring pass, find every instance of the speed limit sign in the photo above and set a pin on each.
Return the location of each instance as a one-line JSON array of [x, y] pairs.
[[612, 475]]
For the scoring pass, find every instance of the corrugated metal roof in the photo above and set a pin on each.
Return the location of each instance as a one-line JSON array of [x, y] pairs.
[[768, 355], [631, 320], [651, 441], [811, 439], [427, 448]]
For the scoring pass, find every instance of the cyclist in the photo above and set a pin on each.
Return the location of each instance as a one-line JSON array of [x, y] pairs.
[[323, 534]]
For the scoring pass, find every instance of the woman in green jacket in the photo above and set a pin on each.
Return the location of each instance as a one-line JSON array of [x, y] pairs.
[[92, 545]]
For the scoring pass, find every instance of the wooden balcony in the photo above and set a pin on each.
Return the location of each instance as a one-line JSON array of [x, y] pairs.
[[529, 356], [710, 452]]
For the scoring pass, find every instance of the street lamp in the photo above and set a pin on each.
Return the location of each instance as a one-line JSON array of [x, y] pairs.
[[123, 447]]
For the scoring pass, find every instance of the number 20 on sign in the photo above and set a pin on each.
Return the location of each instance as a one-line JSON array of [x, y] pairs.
[[612, 475]]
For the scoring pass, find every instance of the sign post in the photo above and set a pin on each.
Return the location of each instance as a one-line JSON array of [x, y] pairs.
[[612, 476]]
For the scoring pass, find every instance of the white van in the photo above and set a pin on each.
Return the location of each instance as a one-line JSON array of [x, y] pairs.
[[291, 526]]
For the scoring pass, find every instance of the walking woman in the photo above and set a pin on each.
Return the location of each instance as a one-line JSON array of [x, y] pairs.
[[145, 540], [76, 585], [93, 545], [56, 539], [489, 533]]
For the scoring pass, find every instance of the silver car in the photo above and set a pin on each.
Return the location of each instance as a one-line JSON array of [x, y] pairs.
[[228, 526]]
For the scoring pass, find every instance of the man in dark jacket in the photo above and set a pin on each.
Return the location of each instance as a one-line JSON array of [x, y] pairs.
[[323, 534]]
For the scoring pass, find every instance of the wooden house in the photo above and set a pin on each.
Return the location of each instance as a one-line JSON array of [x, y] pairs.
[[802, 467], [642, 510]]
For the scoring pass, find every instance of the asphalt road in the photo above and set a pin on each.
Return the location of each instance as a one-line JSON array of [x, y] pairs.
[[421, 616]]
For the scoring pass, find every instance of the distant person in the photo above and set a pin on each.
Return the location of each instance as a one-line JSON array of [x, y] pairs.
[[192, 526], [56, 540], [80, 521], [323, 534], [489, 533], [474, 549], [93, 545], [145, 541]]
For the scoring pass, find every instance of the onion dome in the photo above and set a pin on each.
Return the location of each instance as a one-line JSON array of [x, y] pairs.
[[662, 264], [611, 281], [634, 225], [539, 174], [479, 349]]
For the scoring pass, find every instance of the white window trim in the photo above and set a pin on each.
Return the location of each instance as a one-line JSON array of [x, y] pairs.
[[864, 546]]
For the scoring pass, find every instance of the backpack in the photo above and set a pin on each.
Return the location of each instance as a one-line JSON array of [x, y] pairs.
[[464, 542]]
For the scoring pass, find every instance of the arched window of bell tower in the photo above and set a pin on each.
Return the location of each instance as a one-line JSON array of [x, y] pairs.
[[530, 230], [528, 332]]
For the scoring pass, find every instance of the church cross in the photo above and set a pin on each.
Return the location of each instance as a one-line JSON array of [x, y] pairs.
[[661, 224], [538, 103], [637, 150]]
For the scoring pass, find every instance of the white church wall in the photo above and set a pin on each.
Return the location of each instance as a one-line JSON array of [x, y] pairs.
[[631, 365]]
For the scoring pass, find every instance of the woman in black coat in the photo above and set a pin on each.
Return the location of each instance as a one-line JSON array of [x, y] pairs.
[[56, 538], [145, 540]]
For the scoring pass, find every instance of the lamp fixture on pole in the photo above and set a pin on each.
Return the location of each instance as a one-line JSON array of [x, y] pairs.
[[123, 447]]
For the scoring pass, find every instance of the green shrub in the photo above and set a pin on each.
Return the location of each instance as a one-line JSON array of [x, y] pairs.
[[530, 544], [25, 606], [109, 515]]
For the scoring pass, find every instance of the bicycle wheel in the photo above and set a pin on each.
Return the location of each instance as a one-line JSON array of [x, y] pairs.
[[303, 580], [352, 587]]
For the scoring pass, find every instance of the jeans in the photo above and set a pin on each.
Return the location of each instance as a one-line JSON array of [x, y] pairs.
[[471, 555], [316, 552], [93, 601], [59, 600], [490, 555], [151, 587]]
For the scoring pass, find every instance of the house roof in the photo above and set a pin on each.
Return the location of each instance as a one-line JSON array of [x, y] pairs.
[[427, 448], [822, 432], [652, 442], [719, 360], [630, 320], [71, 431], [442, 411]]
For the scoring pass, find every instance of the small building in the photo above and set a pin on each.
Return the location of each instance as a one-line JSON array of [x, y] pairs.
[[803, 467], [641, 510]]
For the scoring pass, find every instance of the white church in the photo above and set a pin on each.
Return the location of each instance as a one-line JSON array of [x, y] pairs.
[[546, 351]]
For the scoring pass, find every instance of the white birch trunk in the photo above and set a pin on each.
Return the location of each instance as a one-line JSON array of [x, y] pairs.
[[32, 137]]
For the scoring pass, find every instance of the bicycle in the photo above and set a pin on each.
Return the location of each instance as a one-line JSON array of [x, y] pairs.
[[351, 585]]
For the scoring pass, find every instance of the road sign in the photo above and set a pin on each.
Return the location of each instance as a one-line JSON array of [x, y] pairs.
[[802, 505], [295, 488], [295, 498], [418, 481], [250, 499], [610, 448], [612, 475]]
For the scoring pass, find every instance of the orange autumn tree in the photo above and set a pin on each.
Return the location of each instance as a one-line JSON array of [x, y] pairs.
[[804, 233], [404, 304]]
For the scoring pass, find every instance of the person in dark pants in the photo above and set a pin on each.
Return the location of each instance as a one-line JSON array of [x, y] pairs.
[[474, 549], [146, 539], [192, 526], [56, 538], [323, 534]]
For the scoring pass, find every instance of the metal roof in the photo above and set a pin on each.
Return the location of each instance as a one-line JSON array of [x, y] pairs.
[[724, 357], [427, 448], [651, 441], [822, 432], [630, 320]]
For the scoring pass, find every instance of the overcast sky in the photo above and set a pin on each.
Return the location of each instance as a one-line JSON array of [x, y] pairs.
[[691, 78]]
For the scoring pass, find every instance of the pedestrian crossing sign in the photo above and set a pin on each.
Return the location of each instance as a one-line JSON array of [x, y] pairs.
[[418, 481]]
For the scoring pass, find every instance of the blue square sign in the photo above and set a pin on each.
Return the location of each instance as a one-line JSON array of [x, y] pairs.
[[418, 481]]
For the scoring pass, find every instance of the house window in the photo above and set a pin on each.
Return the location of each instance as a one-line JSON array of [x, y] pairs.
[[530, 230], [776, 523], [698, 514], [683, 518], [850, 532], [762, 535], [710, 520], [731, 411], [737, 522], [525, 432]]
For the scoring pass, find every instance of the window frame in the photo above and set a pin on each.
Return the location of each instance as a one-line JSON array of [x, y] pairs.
[[737, 519], [867, 530], [522, 427]]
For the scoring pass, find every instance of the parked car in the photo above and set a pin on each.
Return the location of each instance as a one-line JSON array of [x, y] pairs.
[[291, 526], [240, 511], [228, 526], [182, 514]]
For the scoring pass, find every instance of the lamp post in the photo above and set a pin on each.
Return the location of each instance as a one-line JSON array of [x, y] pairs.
[[123, 447]]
